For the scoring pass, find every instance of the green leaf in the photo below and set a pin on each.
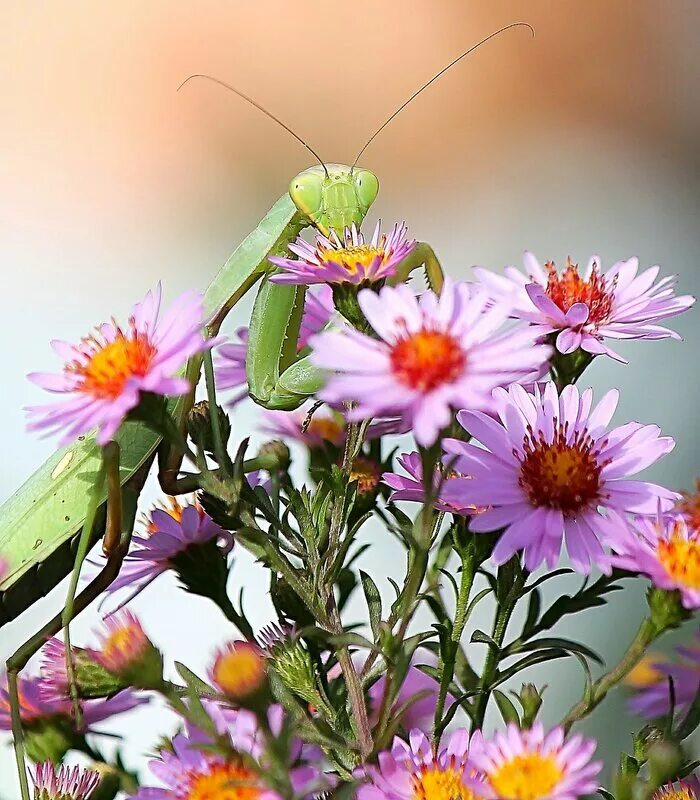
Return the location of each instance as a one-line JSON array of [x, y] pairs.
[[508, 711], [374, 602], [548, 642], [194, 682], [529, 661]]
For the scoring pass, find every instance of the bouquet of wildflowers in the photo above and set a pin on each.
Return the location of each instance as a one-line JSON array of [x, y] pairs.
[[511, 459]]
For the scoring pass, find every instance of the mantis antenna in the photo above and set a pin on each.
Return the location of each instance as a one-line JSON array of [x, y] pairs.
[[260, 108], [435, 77]]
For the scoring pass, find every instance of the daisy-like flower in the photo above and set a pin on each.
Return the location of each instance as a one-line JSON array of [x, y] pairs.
[[40, 700], [432, 354], [410, 771], [534, 765], [666, 549], [584, 310], [239, 670], [126, 651], [550, 466], [105, 374], [410, 487], [685, 789], [350, 260], [654, 699], [191, 772], [63, 783], [230, 364], [169, 533], [326, 427]]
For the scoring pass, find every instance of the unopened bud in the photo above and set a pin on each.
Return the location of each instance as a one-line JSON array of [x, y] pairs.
[[199, 425], [273, 456], [666, 609], [531, 700]]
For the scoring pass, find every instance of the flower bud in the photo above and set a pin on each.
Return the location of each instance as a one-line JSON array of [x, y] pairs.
[[129, 654], [49, 739], [199, 425], [666, 609], [292, 662], [530, 699], [273, 455]]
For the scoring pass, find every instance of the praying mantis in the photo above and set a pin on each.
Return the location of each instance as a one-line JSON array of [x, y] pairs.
[[49, 524]]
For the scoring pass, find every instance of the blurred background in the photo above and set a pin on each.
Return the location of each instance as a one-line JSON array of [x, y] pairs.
[[583, 140]]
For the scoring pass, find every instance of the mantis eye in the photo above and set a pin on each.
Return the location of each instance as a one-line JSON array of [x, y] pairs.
[[367, 187], [306, 193]]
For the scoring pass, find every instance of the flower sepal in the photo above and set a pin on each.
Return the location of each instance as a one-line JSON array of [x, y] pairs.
[[567, 368], [666, 609], [92, 679], [50, 738]]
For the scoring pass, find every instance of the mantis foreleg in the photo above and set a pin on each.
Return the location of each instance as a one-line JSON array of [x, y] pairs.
[[421, 255]]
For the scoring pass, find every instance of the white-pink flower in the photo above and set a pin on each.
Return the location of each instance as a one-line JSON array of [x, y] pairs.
[[584, 310], [432, 354]]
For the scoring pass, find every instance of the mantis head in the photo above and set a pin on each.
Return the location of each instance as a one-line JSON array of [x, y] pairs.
[[334, 196]]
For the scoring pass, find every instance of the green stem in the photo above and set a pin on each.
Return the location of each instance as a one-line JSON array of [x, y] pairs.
[[219, 445], [237, 619], [648, 631]]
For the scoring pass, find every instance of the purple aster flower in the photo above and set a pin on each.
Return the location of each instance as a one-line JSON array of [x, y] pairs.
[[586, 310], [685, 789], [191, 772], [410, 771], [410, 487], [350, 260], [548, 469], [534, 765], [654, 699], [326, 427], [169, 532], [104, 375], [63, 783], [433, 354], [230, 365], [40, 700], [666, 549]]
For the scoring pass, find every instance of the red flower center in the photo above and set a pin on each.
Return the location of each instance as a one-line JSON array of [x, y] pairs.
[[427, 359], [561, 475], [111, 364], [569, 288]]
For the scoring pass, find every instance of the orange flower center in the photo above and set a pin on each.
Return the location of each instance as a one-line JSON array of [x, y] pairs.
[[112, 364], [569, 288], [352, 258], [427, 359], [436, 783], [122, 647], [680, 558], [526, 777], [229, 781], [366, 473], [560, 475], [172, 507], [674, 791], [328, 429], [240, 670]]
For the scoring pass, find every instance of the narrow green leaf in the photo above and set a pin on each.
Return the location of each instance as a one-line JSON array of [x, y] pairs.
[[374, 602]]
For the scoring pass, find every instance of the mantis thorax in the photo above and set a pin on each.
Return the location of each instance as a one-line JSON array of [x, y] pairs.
[[336, 198]]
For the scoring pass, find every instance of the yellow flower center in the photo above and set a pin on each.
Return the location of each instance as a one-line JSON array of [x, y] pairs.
[[171, 507], [570, 288], [675, 791], [122, 647], [560, 474], [427, 359], [526, 777], [230, 781], [112, 364], [328, 429], [366, 473], [435, 783], [354, 258], [680, 558], [645, 673], [240, 670]]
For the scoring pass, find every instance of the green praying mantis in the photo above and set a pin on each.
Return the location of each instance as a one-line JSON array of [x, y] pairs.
[[83, 493]]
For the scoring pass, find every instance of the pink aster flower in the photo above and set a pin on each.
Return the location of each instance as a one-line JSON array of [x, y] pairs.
[[326, 427], [433, 353], [410, 771], [63, 783], [684, 789], [169, 533], [534, 765], [585, 310], [191, 772], [230, 365], [40, 700], [666, 549], [104, 375], [410, 487], [550, 467], [654, 699], [350, 260]]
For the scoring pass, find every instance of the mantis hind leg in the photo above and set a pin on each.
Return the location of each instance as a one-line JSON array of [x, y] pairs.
[[424, 256], [74, 604]]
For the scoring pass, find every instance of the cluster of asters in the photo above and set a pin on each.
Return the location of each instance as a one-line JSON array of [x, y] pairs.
[[531, 462]]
